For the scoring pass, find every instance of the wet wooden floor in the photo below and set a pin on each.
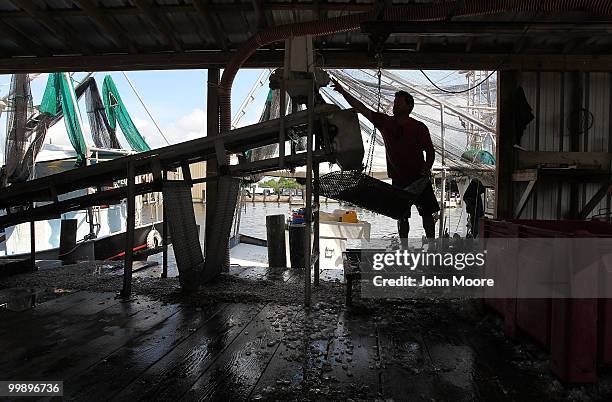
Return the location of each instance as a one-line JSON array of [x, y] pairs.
[[104, 348]]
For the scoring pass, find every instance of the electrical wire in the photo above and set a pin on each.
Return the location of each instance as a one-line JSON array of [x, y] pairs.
[[492, 72], [463, 90]]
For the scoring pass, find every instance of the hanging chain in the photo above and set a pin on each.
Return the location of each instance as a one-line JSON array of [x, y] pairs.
[[370, 158]]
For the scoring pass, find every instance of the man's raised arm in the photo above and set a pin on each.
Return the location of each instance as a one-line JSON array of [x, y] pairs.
[[354, 102]]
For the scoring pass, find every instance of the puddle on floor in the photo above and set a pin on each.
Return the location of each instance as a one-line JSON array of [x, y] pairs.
[[23, 299]]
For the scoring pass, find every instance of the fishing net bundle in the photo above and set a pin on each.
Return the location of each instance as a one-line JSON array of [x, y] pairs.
[[117, 114], [102, 133], [359, 189], [25, 132]]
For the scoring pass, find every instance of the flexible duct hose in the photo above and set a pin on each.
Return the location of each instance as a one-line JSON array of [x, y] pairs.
[[414, 12]]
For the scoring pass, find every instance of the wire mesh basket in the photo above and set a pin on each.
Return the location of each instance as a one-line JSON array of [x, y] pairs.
[[366, 192]]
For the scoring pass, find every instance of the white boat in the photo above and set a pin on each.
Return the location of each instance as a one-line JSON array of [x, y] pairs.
[[99, 229]]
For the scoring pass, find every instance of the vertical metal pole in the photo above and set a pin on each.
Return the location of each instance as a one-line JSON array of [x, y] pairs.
[[442, 199], [129, 231], [32, 242], [308, 214], [164, 232], [442, 134], [443, 193]]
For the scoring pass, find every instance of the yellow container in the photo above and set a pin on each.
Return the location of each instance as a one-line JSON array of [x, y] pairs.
[[349, 217]]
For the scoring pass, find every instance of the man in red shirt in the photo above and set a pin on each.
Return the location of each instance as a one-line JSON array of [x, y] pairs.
[[406, 140]]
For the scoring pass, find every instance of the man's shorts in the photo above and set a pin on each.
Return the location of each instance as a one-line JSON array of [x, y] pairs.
[[426, 202]]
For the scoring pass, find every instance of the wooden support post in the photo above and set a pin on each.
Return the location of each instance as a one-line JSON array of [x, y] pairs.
[[33, 243], [308, 209], [164, 234], [212, 128], [315, 248], [506, 135], [129, 231], [275, 235], [281, 131], [576, 93]]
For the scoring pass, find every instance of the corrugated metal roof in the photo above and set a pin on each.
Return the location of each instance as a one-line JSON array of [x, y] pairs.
[[122, 27]]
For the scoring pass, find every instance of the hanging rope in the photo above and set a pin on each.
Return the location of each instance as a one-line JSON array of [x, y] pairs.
[[369, 160]]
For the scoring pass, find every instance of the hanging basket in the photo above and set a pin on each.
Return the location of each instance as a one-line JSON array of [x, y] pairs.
[[366, 192]]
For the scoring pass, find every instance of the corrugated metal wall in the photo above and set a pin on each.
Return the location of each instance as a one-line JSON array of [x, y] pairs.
[[554, 100]]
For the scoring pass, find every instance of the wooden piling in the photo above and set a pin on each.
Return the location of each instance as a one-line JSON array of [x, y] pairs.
[[129, 231], [164, 234], [297, 238], [275, 230], [315, 192], [32, 244], [308, 201], [68, 240]]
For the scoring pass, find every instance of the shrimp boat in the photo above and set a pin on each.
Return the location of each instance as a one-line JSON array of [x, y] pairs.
[[100, 230]]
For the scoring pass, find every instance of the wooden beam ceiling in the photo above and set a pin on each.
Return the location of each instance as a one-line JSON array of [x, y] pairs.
[[333, 59]]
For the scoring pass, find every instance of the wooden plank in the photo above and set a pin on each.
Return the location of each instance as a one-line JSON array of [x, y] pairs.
[[78, 304], [407, 366], [236, 372], [356, 345], [525, 175], [597, 197], [173, 375], [25, 336], [524, 198], [289, 367], [435, 59], [593, 160], [111, 329], [192, 151], [117, 370]]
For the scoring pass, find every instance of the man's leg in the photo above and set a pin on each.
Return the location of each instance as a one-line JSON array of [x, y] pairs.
[[428, 206], [429, 224], [404, 228]]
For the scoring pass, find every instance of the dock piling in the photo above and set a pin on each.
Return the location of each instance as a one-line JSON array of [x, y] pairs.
[[275, 231], [129, 231]]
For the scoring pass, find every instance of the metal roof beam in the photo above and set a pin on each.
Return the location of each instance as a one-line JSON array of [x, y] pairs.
[[69, 38], [203, 7], [160, 23], [118, 37], [22, 41], [477, 28]]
